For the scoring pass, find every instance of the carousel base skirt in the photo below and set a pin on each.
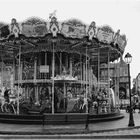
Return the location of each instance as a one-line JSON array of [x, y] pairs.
[[59, 118]]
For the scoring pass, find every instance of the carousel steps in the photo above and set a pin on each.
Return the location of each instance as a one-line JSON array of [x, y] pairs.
[[23, 119], [34, 112]]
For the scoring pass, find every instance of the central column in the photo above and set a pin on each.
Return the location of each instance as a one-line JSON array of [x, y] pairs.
[[19, 78], [53, 68]]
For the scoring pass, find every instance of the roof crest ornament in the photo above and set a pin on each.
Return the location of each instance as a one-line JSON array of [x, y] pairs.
[[51, 15], [54, 27]]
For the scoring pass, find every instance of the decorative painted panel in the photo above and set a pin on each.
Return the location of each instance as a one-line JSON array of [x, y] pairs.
[[34, 27], [4, 31], [74, 29], [105, 34]]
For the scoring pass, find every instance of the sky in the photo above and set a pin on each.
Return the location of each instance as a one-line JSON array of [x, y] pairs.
[[119, 14]]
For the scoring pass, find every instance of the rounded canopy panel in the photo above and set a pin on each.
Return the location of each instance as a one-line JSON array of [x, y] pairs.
[[73, 36]]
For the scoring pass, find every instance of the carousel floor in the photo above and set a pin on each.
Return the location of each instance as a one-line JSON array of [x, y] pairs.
[[58, 118]]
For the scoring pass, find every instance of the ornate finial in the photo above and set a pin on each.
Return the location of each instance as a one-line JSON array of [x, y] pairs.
[[51, 15], [54, 28], [92, 30], [117, 34], [15, 27]]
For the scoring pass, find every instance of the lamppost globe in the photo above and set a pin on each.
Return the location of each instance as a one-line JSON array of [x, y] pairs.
[[128, 59]]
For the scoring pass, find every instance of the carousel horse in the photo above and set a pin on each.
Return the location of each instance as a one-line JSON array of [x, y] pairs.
[[112, 97], [3, 104], [7, 107]]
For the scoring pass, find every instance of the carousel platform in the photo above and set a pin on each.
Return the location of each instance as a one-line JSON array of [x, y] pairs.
[[59, 118]]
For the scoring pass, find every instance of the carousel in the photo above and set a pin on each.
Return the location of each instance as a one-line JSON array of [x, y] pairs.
[[60, 68]]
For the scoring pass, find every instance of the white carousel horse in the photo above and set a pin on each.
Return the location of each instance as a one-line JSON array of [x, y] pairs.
[[4, 105], [85, 103], [2, 101], [112, 96]]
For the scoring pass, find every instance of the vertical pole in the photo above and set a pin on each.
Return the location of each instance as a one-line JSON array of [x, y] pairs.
[[71, 65], [39, 63], [21, 68], [67, 60], [98, 68], [53, 68], [45, 74], [98, 77], [37, 88], [65, 97], [81, 69], [86, 81], [87, 121], [84, 72], [131, 119], [60, 62], [45, 58], [14, 63], [35, 70], [118, 80], [108, 71], [90, 80], [19, 79], [117, 69], [35, 75], [27, 90], [2, 70]]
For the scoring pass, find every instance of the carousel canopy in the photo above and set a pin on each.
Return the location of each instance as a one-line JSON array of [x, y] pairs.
[[72, 36]]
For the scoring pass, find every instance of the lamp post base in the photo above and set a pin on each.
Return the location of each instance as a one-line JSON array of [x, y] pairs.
[[131, 119]]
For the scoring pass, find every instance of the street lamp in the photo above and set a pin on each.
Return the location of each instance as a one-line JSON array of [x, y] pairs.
[[128, 59]]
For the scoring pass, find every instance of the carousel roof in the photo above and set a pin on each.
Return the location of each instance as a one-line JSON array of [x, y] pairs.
[[73, 36]]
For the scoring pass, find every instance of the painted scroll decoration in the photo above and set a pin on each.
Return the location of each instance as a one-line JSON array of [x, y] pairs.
[[105, 34], [34, 27], [4, 31], [73, 29]]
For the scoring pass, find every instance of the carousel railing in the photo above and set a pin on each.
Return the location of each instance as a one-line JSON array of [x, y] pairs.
[[28, 75]]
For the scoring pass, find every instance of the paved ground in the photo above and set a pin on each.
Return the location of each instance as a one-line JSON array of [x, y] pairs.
[[108, 130], [121, 123]]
